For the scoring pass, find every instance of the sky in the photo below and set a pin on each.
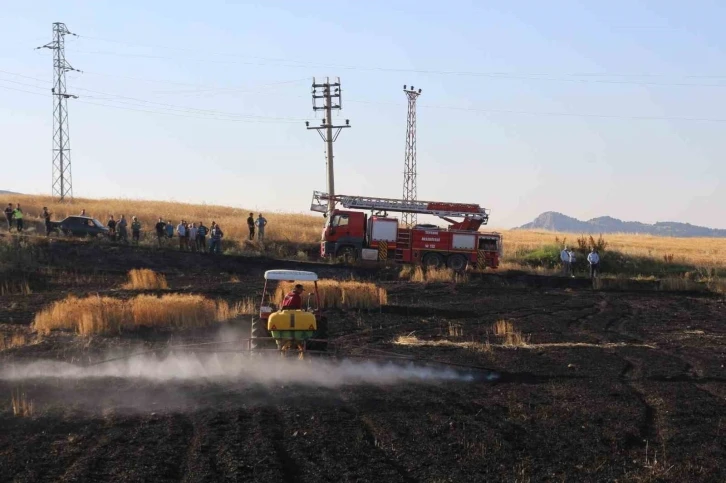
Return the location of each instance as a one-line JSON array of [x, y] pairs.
[[587, 108]]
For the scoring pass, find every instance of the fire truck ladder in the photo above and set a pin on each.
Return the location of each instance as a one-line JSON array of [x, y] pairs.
[[443, 210]]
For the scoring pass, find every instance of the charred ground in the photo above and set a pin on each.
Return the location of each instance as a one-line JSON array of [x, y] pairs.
[[626, 386]]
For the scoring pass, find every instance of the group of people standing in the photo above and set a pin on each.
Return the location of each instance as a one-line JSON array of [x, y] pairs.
[[260, 223], [14, 216], [568, 258], [119, 229], [192, 237]]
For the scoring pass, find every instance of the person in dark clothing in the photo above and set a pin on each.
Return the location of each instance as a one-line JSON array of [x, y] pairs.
[[122, 232], [111, 228], [293, 301], [215, 238], [160, 227], [9, 215], [135, 230], [46, 217], [202, 237], [251, 226]]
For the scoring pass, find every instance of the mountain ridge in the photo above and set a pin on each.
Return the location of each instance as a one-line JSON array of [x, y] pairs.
[[555, 221]]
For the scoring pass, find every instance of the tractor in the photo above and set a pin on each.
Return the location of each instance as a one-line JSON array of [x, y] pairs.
[[299, 330]]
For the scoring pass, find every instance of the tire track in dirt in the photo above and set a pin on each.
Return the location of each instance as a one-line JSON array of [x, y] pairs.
[[135, 438], [648, 429], [214, 450], [371, 432], [270, 434]]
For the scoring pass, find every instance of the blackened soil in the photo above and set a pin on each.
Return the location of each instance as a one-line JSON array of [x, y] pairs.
[[626, 386]]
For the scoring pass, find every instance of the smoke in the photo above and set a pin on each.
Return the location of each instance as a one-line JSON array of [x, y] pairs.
[[236, 367]]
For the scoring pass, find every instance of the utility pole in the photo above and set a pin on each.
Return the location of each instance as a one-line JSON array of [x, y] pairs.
[[409, 169], [62, 187], [328, 91]]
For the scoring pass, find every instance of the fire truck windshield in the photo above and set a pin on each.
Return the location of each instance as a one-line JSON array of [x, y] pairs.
[[339, 220]]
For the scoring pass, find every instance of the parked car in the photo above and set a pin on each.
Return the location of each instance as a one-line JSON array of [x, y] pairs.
[[79, 226]]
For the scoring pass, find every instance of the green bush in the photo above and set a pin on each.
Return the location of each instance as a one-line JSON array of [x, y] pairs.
[[547, 256]]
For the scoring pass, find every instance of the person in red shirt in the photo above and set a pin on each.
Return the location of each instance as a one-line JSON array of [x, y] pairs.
[[293, 301]]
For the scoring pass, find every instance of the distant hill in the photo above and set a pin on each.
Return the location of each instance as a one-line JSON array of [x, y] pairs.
[[4, 192], [551, 220]]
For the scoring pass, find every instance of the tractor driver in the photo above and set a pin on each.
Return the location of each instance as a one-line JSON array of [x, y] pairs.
[[293, 301]]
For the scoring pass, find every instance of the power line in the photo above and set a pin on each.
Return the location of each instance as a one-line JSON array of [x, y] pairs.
[[438, 71], [172, 107], [568, 77], [543, 113], [457, 108]]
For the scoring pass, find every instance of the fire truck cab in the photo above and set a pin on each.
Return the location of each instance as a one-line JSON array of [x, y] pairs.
[[354, 235]]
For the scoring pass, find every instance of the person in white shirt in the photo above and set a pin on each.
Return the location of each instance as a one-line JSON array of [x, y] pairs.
[[573, 257], [565, 258], [192, 238], [181, 230], [261, 223], [594, 260]]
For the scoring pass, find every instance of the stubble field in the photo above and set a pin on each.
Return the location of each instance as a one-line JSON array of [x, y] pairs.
[[580, 385]]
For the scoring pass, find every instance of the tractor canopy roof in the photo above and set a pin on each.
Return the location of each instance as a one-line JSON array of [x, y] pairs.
[[291, 275]]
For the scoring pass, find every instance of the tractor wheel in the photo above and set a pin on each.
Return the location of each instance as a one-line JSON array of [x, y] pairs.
[[348, 255], [259, 330], [457, 262], [433, 260], [321, 333]]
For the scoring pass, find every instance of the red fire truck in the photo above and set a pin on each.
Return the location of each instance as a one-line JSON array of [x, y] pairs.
[[354, 235]]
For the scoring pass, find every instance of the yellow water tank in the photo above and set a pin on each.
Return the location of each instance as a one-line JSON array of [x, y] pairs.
[[295, 320]]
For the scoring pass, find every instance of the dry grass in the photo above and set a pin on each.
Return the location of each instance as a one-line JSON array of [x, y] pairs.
[[298, 227], [107, 315], [431, 275], [338, 294], [412, 340], [506, 331], [17, 339], [699, 252], [21, 406], [145, 279], [247, 306], [15, 288], [305, 228]]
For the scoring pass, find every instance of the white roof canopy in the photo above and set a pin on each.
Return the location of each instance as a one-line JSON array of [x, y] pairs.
[[294, 275]]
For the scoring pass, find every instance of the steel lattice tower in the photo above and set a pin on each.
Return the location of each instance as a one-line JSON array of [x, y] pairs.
[[62, 187], [409, 170]]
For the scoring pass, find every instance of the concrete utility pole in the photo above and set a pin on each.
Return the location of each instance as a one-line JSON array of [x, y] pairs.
[[409, 169], [62, 187], [329, 92]]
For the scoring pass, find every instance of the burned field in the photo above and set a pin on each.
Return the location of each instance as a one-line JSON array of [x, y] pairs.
[[580, 385]]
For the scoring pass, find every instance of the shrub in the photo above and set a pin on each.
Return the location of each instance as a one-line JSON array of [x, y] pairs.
[[338, 294], [420, 274], [585, 244], [547, 256], [108, 315], [145, 279], [510, 336]]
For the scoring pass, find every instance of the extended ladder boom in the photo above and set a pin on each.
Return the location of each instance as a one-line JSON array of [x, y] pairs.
[[436, 208]]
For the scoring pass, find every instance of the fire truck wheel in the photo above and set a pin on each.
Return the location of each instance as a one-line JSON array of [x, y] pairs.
[[433, 260], [457, 262], [347, 254]]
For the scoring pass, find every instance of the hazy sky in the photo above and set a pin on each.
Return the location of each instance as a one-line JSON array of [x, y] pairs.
[[588, 108]]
